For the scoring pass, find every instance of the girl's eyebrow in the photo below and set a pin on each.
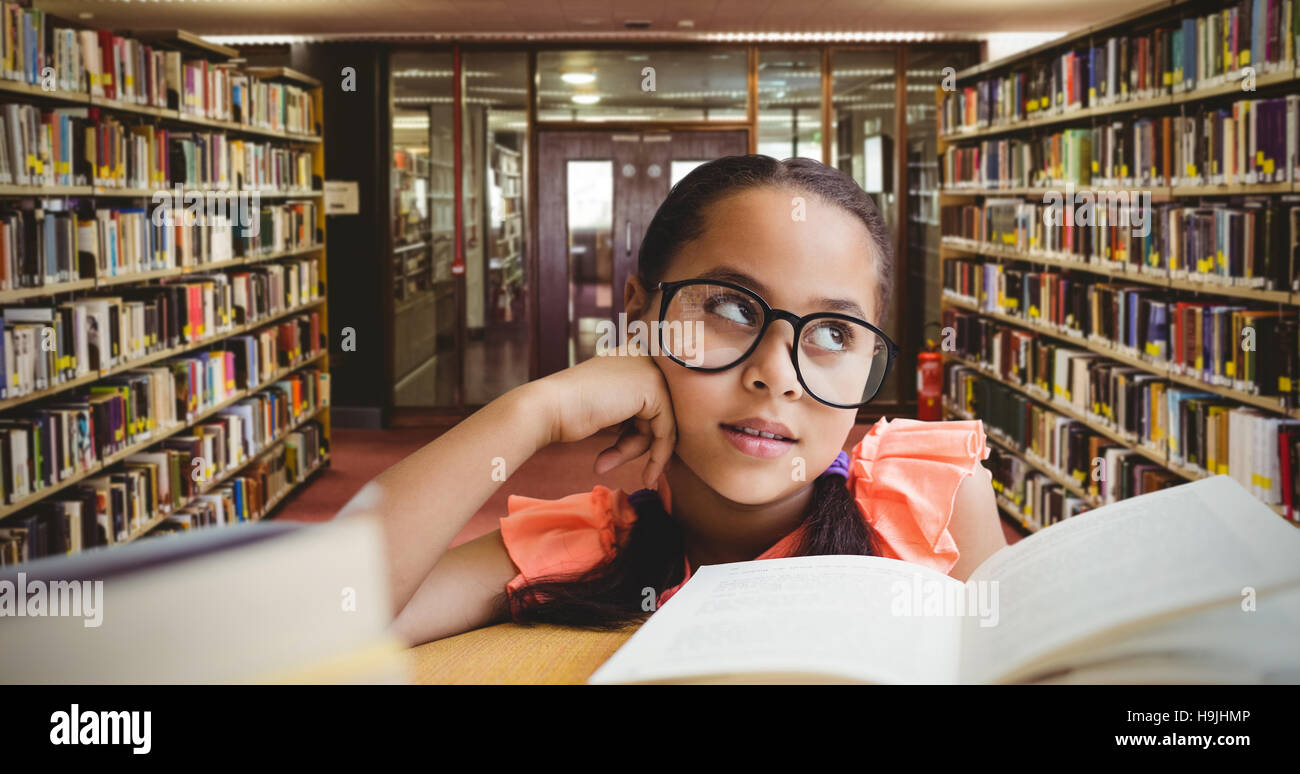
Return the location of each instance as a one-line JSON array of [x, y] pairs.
[[729, 274]]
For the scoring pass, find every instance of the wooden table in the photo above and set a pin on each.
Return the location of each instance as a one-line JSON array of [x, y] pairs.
[[511, 654]]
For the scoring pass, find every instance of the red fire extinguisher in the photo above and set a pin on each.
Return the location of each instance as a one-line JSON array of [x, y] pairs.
[[929, 381]]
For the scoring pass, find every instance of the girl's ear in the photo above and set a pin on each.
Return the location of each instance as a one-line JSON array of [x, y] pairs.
[[636, 298]]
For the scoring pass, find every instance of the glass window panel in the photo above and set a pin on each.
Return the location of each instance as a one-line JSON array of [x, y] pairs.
[[790, 103], [923, 77], [681, 169], [494, 160], [697, 84], [425, 365], [590, 186], [863, 89]]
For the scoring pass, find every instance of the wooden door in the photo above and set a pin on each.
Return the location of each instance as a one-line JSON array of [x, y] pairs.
[[598, 191]]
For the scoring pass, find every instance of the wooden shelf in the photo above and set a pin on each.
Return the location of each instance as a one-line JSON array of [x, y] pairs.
[[165, 114], [133, 113], [153, 439], [1158, 192], [18, 294], [1267, 402], [185, 41], [1068, 410], [80, 381], [1129, 272], [282, 74], [149, 193], [1221, 89], [1230, 87]]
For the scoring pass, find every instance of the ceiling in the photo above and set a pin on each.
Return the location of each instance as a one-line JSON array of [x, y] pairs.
[[336, 18]]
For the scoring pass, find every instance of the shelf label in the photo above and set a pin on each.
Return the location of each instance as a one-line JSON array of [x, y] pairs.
[[342, 197]]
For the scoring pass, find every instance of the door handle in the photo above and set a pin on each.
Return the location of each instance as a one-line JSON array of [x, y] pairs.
[[627, 250]]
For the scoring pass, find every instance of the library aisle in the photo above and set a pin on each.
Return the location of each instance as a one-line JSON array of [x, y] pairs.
[[399, 342]]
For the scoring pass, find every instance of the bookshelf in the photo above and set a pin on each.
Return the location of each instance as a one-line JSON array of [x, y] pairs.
[[1081, 337], [505, 261], [182, 380]]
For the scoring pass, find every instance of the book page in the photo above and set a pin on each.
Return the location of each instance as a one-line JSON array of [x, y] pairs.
[[1255, 642], [808, 616], [1151, 554]]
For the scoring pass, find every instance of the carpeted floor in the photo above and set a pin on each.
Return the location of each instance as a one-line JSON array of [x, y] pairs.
[[359, 455]]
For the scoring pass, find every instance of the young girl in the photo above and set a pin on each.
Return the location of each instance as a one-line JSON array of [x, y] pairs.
[[762, 284]]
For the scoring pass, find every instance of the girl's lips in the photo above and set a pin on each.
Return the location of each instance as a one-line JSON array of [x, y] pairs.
[[755, 445]]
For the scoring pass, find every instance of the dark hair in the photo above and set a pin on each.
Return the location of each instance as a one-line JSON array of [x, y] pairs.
[[683, 215], [611, 594]]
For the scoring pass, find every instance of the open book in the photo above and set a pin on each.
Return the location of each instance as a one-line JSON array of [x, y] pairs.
[[1196, 583]]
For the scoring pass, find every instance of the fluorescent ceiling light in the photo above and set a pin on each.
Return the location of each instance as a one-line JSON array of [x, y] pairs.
[[586, 99], [579, 79]]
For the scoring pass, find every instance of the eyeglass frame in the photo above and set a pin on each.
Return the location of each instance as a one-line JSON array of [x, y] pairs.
[[770, 314]]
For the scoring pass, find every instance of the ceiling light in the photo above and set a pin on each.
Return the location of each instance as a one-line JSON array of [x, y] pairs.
[[586, 99], [578, 79]]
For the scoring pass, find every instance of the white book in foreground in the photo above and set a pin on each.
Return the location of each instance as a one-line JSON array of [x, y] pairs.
[[1196, 583]]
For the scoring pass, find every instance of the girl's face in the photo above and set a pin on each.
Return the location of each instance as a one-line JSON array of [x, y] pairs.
[[804, 266]]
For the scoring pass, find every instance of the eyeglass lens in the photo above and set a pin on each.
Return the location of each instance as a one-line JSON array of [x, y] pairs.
[[714, 326]]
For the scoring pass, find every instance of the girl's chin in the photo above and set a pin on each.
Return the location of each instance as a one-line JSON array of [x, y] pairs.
[[749, 487]]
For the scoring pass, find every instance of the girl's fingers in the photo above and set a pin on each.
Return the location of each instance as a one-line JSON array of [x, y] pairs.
[[664, 430], [632, 443]]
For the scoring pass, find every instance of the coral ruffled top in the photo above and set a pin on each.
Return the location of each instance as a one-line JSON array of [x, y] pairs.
[[904, 475]]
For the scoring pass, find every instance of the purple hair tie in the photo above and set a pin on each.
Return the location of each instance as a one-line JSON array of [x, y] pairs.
[[840, 467], [642, 496]]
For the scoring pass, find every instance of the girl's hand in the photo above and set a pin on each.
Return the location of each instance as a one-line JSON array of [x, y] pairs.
[[608, 390]]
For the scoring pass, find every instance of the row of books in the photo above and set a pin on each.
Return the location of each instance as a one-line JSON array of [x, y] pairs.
[[1103, 470], [214, 161], [1250, 141], [83, 146], [1201, 432], [221, 92], [1248, 244], [1038, 499], [45, 346], [1097, 465], [1199, 51], [74, 435], [290, 225], [174, 481], [1234, 345], [101, 64], [40, 246], [246, 496]]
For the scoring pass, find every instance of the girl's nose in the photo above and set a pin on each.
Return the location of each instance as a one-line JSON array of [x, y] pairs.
[[771, 365]]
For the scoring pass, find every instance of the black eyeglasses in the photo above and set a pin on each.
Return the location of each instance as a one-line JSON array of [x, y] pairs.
[[711, 325]]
